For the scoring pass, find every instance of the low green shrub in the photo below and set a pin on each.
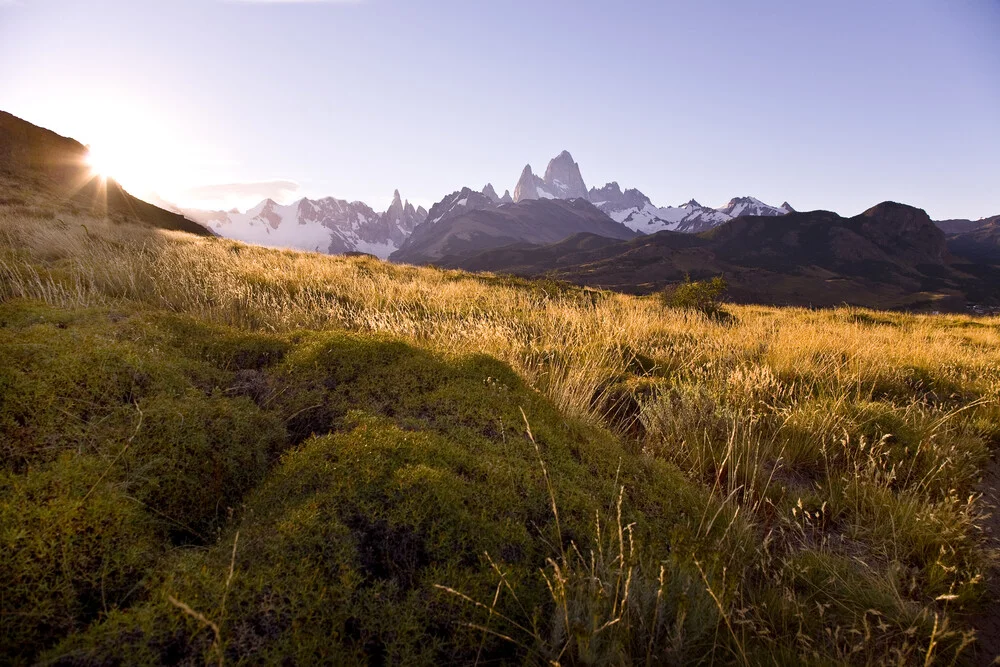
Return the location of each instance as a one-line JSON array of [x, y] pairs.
[[72, 547], [704, 296], [354, 474]]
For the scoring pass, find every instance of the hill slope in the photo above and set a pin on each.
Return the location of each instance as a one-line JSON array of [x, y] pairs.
[[961, 226], [889, 256], [214, 452], [980, 244], [35, 162]]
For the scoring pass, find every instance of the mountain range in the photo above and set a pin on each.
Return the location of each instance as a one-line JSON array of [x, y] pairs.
[[891, 256], [326, 225], [448, 239], [336, 226]]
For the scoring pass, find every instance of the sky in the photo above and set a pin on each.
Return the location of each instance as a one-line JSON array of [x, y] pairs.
[[828, 105]]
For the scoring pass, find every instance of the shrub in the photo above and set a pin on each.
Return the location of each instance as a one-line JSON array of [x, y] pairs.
[[341, 547], [849, 444], [72, 547], [701, 295]]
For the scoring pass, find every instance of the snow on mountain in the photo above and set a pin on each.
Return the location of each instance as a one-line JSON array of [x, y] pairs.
[[743, 206], [631, 207], [530, 186], [612, 197], [461, 202], [563, 178], [562, 181], [400, 218], [326, 225], [634, 209], [648, 219]]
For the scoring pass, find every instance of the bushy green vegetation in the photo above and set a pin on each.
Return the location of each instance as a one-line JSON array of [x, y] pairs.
[[214, 452], [704, 296], [360, 472]]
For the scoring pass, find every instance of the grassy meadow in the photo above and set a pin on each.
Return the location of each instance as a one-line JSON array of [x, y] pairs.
[[214, 452]]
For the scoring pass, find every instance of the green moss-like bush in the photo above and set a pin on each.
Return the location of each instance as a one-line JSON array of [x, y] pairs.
[[72, 547], [361, 474], [198, 456], [353, 533]]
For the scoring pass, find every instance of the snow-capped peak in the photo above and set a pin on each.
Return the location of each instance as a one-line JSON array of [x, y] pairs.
[[327, 225], [742, 206]]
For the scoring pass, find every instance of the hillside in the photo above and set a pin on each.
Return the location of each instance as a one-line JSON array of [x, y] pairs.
[[38, 166], [961, 226], [891, 256], [980, 244], [214, 452]]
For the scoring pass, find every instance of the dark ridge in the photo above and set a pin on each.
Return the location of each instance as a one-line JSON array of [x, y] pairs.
[[45, 163]]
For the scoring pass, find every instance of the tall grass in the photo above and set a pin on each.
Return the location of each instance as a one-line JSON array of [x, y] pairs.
[[852, 441]]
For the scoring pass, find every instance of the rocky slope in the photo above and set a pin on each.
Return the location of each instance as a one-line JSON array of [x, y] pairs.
[[981, 244], [562, 181]]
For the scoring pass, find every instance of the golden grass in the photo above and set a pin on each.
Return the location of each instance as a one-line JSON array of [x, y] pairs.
[[564, 341], [853, 436]]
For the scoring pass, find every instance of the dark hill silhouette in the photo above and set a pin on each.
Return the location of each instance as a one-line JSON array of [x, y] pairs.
[[961, 226], [980, 244], [890, 256], [36, 161]]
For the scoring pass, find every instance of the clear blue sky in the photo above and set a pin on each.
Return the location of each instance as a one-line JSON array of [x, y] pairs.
[[835, 105]]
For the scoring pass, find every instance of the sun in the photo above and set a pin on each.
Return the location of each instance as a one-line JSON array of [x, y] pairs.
[[100, 163], [137, 167], [144, 149]]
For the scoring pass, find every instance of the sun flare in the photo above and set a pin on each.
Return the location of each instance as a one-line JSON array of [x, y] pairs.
[[139, 167], [100, 163]]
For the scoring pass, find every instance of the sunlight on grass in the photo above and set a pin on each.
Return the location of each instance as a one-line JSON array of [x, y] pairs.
[[830, 458]]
